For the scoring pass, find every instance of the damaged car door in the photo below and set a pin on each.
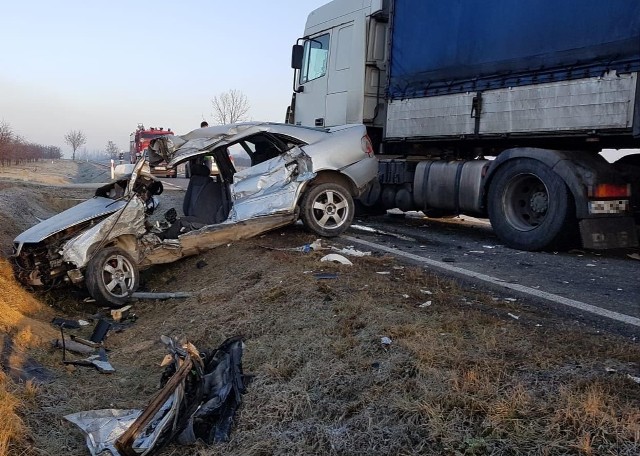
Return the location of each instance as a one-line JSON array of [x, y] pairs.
[[274, 182]]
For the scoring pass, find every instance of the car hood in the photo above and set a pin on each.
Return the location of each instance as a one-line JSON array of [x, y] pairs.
[[87, 210]]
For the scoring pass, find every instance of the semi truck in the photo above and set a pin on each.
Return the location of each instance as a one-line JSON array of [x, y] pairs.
[[496, 109], [139, 142]]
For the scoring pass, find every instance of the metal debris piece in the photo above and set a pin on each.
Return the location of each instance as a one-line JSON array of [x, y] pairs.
[[325, 275], [174, 295], [198, 400], [425, 304], [350, 251], [120, 314], [515, 317], [67, 323], [385, 341]]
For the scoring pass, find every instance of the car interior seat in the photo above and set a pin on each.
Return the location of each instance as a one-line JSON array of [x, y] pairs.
[[205, 199]]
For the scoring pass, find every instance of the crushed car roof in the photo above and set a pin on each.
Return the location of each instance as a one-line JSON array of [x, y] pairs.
[[201, 139]]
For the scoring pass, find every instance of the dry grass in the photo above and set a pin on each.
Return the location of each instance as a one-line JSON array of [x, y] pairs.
[[460, 377], [21, 328]]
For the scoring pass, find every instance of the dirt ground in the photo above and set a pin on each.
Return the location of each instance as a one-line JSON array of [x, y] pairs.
[[461, 376]]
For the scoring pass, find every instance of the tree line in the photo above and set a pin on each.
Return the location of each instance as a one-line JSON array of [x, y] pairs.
[[15, 150]]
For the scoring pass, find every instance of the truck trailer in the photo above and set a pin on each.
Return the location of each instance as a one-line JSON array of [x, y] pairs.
[[495, 109]]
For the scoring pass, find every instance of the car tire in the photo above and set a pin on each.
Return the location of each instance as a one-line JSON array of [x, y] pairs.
[[327, 209], [111, 276], [530, 207]]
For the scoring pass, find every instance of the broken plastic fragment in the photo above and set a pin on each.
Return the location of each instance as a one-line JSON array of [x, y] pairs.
[[425, 304], [385, 340], [334, 257], [515, 317]]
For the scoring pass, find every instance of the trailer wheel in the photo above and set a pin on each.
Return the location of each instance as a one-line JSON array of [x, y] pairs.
[[530, 207], [327, 209], [111, 276]]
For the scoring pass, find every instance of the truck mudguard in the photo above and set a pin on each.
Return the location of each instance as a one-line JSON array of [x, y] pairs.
[[442, 47]]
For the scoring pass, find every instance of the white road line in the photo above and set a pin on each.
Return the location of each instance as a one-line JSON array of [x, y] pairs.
[[495, 281]]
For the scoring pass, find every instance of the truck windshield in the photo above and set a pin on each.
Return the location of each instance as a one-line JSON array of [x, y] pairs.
[[316, 56]]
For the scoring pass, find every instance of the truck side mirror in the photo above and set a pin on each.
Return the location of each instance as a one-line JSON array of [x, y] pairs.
[[296, 56]]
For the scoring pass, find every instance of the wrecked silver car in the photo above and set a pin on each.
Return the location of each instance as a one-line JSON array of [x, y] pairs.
[[269, 175]]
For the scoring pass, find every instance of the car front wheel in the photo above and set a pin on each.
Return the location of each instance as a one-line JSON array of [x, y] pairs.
[[327, 209], [111, 276]]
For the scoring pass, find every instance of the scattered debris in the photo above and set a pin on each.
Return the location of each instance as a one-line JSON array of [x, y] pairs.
[[325, 275], [383, 272], [66, 323], [591, 265], [72, 346], [427, 292], [510, 299], [398, 268], [385, 341], [489, 246], [635, 379], [405, 296], [198, 400], [334, 257], [515, 317], [610, 370], [120, 314], [149, 295], [634, 256], [425, 304], [201, 264], [100, 331], [351, 251], [449, 260], [386, 233], [476, 251]]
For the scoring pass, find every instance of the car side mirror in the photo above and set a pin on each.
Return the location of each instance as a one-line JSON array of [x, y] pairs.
[[297, 52]]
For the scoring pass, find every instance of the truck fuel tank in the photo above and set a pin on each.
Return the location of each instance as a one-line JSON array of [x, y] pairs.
[[454, 186]]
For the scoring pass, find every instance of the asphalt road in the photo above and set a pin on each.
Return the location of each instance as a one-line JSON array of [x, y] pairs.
[[607, 280]]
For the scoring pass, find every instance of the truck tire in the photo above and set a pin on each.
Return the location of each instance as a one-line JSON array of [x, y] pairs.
[[111, 276], [327, 209], [530, 207]]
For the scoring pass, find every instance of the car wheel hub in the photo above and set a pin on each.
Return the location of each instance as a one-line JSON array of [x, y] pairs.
[[330, 209], [118, 276]]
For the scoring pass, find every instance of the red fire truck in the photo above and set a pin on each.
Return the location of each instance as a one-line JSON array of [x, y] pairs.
[[139, 146]]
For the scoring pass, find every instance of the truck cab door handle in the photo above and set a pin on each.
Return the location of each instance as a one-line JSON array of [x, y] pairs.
[[319, 122]]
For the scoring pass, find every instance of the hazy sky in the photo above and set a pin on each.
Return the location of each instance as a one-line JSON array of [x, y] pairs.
[[104, 66]]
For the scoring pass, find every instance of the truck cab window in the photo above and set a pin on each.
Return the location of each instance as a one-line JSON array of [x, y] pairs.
[[315, 58]]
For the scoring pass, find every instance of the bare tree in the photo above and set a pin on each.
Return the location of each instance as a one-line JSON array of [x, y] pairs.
[[112, 150], [75, 139], [230, 107]]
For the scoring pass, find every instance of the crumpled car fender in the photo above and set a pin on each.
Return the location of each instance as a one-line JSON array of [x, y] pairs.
[[127, 221]]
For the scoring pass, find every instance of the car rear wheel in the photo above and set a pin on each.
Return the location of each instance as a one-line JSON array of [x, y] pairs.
[[327, 209], [112, 275]]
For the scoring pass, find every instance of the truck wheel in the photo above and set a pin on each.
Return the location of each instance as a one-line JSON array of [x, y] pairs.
[[530, 207], [327, 209], [112, 276]]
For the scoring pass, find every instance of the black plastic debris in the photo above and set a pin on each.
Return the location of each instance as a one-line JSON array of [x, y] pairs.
[[199, 396], [100, 331], [65, 322]]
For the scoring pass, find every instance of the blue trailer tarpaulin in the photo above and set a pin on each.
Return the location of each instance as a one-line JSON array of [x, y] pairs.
[[449, 46]]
